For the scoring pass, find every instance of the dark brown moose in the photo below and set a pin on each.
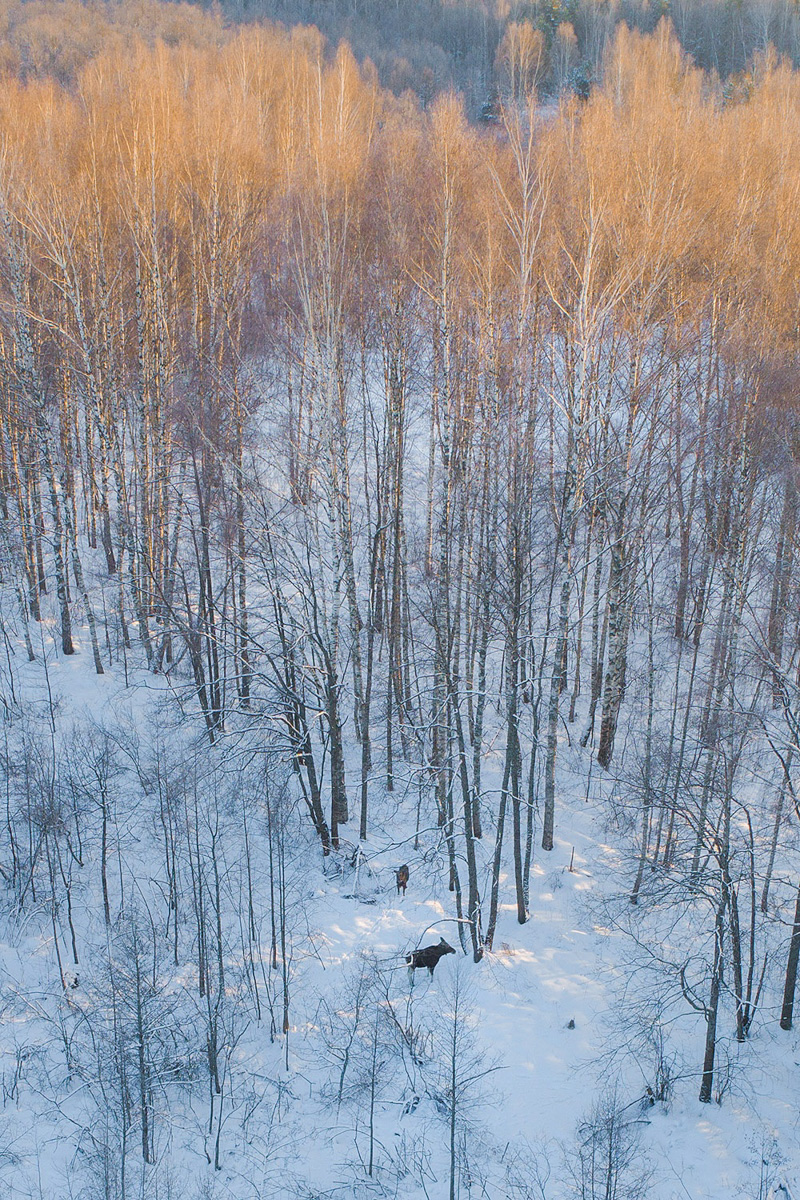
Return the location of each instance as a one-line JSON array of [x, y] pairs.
[[402, 878], [427, 957]]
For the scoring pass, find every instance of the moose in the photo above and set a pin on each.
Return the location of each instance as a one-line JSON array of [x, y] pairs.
[[402, 878], [428, 957]]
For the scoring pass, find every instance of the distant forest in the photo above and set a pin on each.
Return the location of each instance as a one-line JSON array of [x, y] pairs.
[[427, 46]]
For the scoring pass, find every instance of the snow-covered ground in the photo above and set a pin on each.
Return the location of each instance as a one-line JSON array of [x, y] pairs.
[[554, 1039]]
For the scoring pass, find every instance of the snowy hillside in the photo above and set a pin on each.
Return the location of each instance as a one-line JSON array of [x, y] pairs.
[[559, 1038]]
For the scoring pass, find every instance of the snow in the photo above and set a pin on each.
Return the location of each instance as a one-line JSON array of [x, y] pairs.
[[539, 1076]]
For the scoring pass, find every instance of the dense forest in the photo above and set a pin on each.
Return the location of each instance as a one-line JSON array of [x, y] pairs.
[[380, 486], [427, 46]]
